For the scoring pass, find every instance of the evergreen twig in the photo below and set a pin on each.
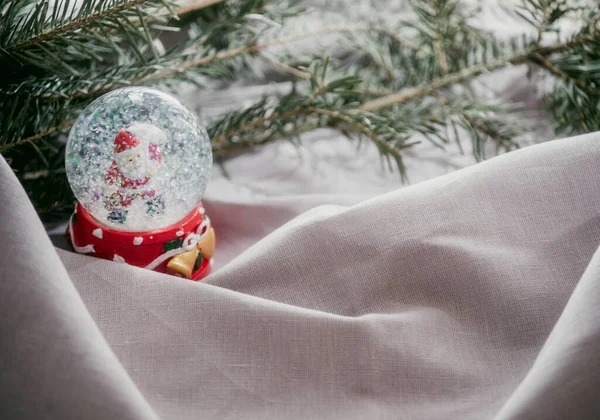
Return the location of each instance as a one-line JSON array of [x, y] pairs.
[[471, 72], [80, 22], [383, 84], [547, 65]]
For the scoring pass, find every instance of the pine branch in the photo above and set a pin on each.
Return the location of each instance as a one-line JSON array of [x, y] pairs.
[[440, 34], [283, 67], [74, 40], [352, 123], [575, 105], [38, 136], [329, 102], [473, 71], [573, 110], [545, 20], [362, 128], [551, 68], [269, 120], [57, 96], [379, 103], [173, 66], [227, 150], [255, 48], [163, 71], [82, 21], [544, 14]]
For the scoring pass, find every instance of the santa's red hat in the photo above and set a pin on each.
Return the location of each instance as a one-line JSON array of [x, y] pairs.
[[125, 140]]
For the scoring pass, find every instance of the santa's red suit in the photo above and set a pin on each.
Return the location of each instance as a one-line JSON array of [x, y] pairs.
[[128, 189]]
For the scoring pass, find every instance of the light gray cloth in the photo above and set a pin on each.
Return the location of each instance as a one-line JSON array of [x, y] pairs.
[[471, 296]]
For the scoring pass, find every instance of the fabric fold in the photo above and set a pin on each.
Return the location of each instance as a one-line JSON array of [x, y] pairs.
[[469, 296], [54, 362]]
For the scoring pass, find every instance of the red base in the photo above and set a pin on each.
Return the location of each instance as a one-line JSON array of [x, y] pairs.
[[200, 273], [121, 246]]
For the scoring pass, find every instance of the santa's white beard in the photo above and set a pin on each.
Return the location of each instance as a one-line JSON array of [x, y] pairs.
[[133, 170]]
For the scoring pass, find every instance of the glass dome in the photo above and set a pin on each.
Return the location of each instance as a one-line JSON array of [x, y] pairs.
[[138, 160]]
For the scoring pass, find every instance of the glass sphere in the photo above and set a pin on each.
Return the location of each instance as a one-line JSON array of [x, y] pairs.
[[137, 160]]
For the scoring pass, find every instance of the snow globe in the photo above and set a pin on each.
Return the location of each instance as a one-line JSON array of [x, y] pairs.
[[138, 163]]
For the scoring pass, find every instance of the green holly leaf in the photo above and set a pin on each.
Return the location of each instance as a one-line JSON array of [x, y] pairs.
[[173, 244], [198, 261]]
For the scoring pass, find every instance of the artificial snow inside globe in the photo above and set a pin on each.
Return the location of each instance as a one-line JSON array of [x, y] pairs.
[[138, 163]]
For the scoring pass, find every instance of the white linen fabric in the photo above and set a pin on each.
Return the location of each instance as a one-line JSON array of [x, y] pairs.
[[474, 295]]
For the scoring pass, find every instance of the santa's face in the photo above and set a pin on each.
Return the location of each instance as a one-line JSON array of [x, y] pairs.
[[133, 164]]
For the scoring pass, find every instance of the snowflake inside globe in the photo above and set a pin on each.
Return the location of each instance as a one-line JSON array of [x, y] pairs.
[[138, 160]]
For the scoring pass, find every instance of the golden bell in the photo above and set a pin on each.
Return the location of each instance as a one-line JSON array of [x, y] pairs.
[[207, 244], [182, 265]]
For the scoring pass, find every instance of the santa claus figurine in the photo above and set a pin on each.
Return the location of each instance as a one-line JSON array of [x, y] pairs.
[[136, 160]]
